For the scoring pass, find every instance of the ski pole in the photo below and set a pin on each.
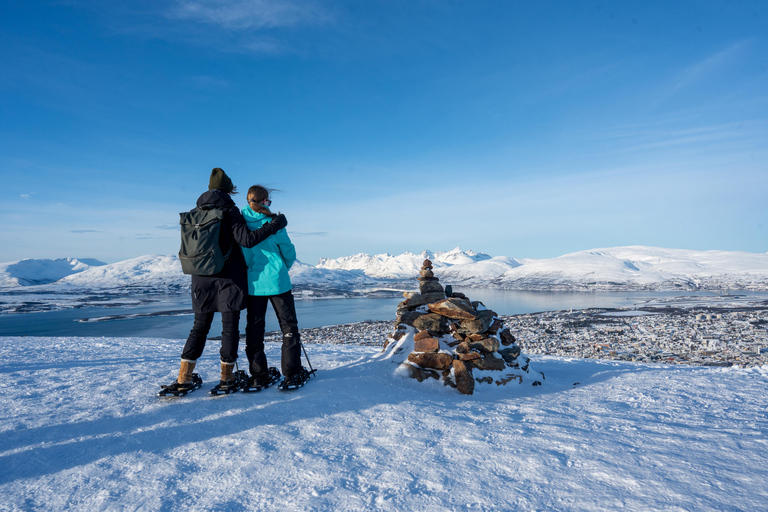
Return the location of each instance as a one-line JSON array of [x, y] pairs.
[[311, 370]]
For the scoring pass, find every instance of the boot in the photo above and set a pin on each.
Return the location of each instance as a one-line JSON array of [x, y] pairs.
[[185, 383], [231, 381], [185, 372], [227, 375]]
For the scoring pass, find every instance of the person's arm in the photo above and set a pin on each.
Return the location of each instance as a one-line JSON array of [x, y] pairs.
[[248, 238], [287, 249]]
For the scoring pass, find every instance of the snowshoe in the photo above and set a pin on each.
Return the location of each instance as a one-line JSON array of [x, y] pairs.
[[232, 386], [296, 380], [252, 386], [177, 389]]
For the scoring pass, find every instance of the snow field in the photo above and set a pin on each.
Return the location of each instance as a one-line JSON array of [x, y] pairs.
[[82, 429]]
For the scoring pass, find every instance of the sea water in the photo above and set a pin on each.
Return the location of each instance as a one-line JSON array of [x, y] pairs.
[[170, 316]]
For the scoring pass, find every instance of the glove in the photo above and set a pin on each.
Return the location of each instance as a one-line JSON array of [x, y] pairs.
[[279, 221]]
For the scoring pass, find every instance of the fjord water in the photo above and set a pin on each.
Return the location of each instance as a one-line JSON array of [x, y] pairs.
[[171, 315]]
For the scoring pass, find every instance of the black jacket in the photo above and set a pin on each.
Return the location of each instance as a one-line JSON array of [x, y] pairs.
[[228, 290]]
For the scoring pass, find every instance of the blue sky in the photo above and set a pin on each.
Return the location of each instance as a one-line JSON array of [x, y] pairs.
[[523, 129]]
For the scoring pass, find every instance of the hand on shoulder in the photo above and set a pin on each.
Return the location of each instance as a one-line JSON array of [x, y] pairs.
[[280, 221]]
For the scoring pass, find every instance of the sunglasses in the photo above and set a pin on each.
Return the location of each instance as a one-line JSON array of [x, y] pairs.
[[269, 201]]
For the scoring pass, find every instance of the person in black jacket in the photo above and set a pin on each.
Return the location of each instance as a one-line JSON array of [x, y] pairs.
[[225, 292]]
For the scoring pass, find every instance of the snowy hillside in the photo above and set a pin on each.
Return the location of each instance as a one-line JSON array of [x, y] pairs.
[[619, 268], [597, 436], [639, 267], [33, 272], [404, 266], [309, 276], [150, 273]]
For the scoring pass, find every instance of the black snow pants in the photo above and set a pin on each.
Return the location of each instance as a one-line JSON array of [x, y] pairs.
[[285, 309], [230, 336]]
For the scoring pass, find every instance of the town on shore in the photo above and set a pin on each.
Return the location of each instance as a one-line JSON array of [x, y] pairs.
[[675, 330]]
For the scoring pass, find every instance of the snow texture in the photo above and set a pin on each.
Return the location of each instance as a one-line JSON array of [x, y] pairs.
[[81, 429]]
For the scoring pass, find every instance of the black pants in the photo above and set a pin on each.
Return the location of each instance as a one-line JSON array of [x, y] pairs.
[[230, 336], [285, 309]]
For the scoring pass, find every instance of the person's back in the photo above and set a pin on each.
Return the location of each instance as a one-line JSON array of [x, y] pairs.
[[268, 281], [224, 292], [269, 261]]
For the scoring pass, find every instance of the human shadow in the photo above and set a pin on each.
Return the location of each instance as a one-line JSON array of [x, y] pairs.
[[174, 422]]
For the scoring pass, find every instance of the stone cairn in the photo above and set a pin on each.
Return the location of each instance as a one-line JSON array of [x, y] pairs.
[[440, 334]]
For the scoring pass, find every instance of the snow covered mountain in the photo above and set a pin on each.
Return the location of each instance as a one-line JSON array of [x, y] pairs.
[[640, 268], [33, 272], [152, 273], [618, 268], [404, 266]]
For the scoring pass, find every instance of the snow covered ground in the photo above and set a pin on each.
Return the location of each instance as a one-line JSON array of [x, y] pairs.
[[81, 429]]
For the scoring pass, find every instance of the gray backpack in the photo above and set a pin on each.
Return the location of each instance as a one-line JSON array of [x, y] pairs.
[[200, 253]]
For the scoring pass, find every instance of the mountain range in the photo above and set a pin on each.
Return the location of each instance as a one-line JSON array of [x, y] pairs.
[[611, 269]]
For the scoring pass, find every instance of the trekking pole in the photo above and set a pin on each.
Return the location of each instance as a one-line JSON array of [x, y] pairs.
[[311, 370]]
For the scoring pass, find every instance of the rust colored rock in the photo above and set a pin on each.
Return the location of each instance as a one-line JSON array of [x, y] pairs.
[[506, 337], [475, 337], [426, 345], [431, 322], [426, 273], [486, 345], [453, 308], [502, 382], [426, 264], [434, 360], [469, 356], [420, 374], [421, 335], [458, 336], [463, 376]]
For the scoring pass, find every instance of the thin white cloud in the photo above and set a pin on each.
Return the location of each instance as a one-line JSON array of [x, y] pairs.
[[26, 196], [251, 14], [702, 70]]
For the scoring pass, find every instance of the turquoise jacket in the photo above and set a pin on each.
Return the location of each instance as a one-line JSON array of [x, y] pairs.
[[268, 262]]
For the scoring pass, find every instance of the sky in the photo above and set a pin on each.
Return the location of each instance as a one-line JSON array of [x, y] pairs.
[[515, 128]]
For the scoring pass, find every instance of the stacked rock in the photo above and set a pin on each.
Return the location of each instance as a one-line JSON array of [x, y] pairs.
[[450, 338]]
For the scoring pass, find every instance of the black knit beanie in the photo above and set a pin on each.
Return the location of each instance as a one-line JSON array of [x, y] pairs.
[[220, 181]]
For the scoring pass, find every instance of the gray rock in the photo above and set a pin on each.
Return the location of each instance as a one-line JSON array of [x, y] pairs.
[[432, 322], [430, 287], [486, 345], [480, 324], [426, 298]]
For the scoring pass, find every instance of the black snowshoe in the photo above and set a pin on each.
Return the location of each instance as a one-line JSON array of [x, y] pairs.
[[177, 389], [296, 380], [239, 381], [253, 385]]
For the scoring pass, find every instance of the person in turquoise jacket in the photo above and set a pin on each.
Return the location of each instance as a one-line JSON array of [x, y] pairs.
[[268, 281]]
